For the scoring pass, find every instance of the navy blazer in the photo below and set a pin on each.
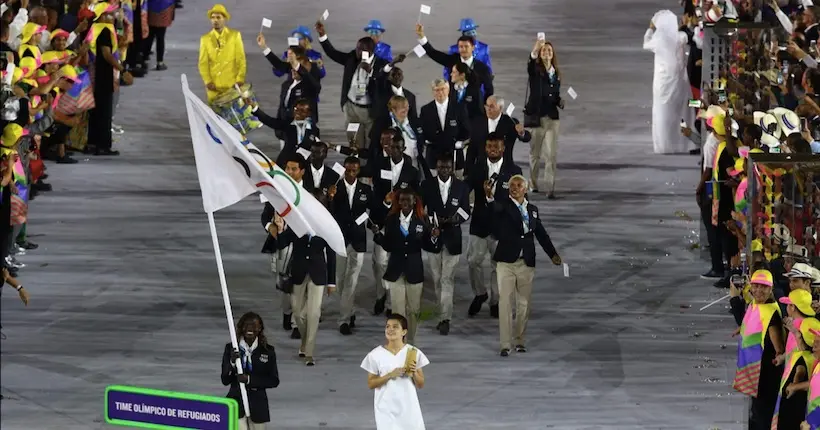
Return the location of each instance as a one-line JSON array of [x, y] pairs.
[[355, 234], [513, 242], [405, 251], [264, 375], [290, 134], [311, 257], [329, 177], [351, 62], [459, 198], [482, 221], [408, 178]]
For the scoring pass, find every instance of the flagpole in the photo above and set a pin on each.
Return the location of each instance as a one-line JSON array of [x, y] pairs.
[[228, 312]]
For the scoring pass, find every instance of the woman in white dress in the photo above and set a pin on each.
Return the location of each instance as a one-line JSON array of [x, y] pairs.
[[670, 86], [395, 379]]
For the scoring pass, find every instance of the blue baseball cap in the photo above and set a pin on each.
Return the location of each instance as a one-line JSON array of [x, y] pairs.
[[375, 25], [467, 24], [303, 32]]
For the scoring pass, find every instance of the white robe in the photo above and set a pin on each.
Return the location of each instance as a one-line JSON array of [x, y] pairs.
[[395, 403], [670, 85]]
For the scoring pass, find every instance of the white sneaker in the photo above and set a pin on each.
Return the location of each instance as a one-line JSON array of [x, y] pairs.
[[18, 250], [116, 129], [11, 261]]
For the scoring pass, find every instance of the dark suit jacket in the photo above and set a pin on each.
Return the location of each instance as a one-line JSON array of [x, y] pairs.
[[484, 77], [471, 100], [271, 244], [384, 91], [375, 150], [264, 375], [311, 257], [308, 88], [290, 134], [478, 138], [440, 141], [513, 243], [482, 218], [351, 63], [405, 252], [459, 197], [329, 177], [408, 178], [355, 235]]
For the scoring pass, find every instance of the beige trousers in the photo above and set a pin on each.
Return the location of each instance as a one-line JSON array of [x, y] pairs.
[[443, 271], [307, 308], [477, 251], [247, 424], [406, 299], [544, 145], [347, 277], [278, 264], [360, 115], [379, 267], [514, 283]]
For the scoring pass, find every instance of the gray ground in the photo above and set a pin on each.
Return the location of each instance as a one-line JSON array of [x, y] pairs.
[[124, 287]]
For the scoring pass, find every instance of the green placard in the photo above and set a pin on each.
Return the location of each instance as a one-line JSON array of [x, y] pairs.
[[159, 409]]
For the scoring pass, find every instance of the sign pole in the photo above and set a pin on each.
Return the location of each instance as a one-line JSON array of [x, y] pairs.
[[228, 312]]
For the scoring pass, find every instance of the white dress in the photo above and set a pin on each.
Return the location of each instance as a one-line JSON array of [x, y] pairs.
[[395, 403], [670, 85]]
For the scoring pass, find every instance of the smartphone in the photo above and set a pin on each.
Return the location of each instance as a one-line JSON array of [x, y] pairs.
[[774, 150], [738, 281], [721, 96], [804, 123], [695, 103]]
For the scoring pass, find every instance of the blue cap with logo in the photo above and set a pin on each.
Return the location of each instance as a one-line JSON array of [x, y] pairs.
[[467, 24], [302, 32], [375, 26]]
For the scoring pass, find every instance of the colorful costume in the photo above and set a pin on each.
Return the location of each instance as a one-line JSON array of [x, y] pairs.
[[221, 57]]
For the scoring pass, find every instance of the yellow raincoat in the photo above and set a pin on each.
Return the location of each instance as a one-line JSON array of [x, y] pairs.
[[222, 60]]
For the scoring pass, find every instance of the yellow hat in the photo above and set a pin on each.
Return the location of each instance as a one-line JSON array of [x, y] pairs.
[[11, 134], [220, 9], [5, 152], [53, 57], [29, 30], [17, 75], [28, 65], [717, 124], [102, 8], [69, 72], [762, 277], [801, 299], [808, 329], [757, 245]]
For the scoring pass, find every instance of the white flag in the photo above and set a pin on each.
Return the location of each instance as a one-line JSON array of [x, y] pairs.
[[230, 168]]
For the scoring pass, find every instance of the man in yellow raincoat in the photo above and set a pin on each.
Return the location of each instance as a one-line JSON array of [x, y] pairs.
[[221, 55]]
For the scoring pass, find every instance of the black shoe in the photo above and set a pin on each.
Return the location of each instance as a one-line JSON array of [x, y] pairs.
[[13, 271], [444, 328], [475, 306], [551, 196], [161, 67], [65, 159], [505, 352], [287, 322], [42, 186], [494, 311], [722, 283], [301, 354], [388, 312], [712, 275], [28, 245], [106, 152], [378, 308], [353, 321], [309, 361], [44, 176], [694, 151], [520, 348], [345, 329], [138, 72], [295, 333]]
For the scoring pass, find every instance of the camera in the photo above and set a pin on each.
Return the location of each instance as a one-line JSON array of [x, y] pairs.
[[738, 281]]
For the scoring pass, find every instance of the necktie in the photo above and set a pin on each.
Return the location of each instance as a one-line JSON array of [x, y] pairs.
[[525, 216], [300, 131], [403, 230]]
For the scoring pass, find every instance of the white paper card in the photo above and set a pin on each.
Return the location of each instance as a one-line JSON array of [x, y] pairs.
[[361, 219], [9, 74], [292, 41], [266, 23], [542, 36], [419, 51], [303, 152], [338, 168], [353, 127], [338, 148], [325, 14], [425, 9], [566, 270], [387, 175], [262, 198], [435, 219], [510, 109], [462, 213], [808, 3], [572, 93], [459, 145], [281, 144], [365, 55]]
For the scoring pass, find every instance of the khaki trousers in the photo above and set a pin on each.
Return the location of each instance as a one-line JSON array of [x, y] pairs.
[[406, 298], [360, 115], [477, 250], [347, 277], [514, 283], [307, 308], [379, 267], [544, 145], [246, 424], [278, 265], [443, 271]]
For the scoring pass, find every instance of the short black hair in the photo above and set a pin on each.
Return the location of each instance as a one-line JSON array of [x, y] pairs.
[[367, 43], [495, 136], [302, 101], [753, 130], [318, 142], [397, 135], [352, 160], [298, 159], [297, 50], [470, 39], [400, 318], [445, 157]]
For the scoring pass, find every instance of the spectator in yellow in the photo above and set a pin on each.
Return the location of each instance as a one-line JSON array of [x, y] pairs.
[[221, 55]]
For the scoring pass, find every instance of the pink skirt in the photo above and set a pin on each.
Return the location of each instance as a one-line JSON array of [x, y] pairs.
[[161, 19]]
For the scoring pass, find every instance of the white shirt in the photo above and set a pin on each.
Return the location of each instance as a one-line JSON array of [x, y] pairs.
[[317, 175], [492, 124], [444, 189], [16, 28], [494, 168], [468, 61], [351, 190], [290, 90], [405, 221], [442, 112], [396, 403], [395, 169], [358, 87], [301, 128], [397, 91], [709, 151]]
